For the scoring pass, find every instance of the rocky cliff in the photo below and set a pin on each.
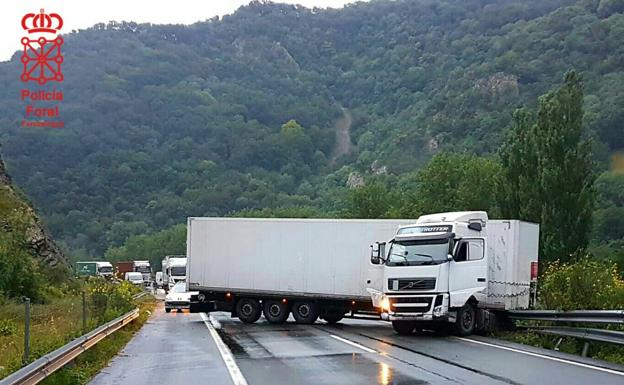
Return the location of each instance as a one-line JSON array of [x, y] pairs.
[[40, 240]]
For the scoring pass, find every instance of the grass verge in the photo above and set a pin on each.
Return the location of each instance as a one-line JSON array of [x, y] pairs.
[[89, 363], [598, 350]]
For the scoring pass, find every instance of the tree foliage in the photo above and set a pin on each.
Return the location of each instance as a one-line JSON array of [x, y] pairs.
[[238, 113], [549, 169]]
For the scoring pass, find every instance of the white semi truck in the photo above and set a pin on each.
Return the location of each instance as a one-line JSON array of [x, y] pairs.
[[145, 269], [174, 270], [457, 269], [449, 269], [307, 267]]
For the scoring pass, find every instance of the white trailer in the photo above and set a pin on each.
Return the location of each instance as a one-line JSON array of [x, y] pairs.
[[310, 267]]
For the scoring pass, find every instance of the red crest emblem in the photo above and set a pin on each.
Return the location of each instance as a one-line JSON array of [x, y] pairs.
[[42, 56]]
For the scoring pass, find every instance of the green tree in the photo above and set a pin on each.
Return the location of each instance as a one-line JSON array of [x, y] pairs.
[[456, 182], [371, 200], [548, 171]]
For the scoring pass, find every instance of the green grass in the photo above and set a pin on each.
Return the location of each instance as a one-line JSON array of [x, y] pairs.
[[93, 360], [602, 351], [52, 325]]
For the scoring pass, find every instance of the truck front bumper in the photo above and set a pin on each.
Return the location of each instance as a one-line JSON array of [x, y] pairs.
[[420, 308]]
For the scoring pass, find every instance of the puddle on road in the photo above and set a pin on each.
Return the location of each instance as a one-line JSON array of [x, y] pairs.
[[331, 369]]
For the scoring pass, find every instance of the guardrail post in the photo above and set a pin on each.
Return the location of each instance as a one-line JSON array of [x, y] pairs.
[[585, 349], [26, 330], [84, 313]]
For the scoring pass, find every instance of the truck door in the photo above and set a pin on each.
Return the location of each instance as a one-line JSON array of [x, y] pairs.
[[467, 271], [375, 278]]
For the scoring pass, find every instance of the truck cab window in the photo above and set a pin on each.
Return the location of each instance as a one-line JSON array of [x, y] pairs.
[[470, 250], [462, 252]]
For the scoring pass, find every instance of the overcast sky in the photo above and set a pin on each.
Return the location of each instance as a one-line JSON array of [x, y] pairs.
[[78, 14]]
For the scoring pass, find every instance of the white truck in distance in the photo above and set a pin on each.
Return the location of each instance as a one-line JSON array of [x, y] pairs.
[[457, 269], [145, 269], [307, 267], [174, 270]]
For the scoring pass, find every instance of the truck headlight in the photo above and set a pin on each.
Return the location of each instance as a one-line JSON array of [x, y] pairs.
[[385, 303]]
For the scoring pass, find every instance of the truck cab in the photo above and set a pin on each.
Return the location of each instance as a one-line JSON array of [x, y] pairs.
[[174, 270], [450, 270]]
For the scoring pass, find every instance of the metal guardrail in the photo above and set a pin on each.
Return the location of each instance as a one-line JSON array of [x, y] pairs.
[[51, 362], [599, 335], [583, 316]]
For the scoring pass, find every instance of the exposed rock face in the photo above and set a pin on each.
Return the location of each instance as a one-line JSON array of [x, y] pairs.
[[41, 242]]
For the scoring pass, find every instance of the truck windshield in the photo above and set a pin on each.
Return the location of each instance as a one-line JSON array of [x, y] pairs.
[[414, 253], [143, 269], [178, 271], [105, 269]]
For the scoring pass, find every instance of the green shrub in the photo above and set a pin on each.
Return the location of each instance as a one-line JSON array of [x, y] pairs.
[[584, 284], [108, 300], [7, 327]]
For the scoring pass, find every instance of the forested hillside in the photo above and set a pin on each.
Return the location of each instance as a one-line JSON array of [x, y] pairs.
[[240, 113]]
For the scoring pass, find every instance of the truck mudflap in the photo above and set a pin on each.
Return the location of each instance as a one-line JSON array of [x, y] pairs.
[[202, 307]]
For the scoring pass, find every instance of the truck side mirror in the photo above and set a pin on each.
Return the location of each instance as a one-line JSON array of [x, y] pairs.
[[377, 252], [476, 226], [374, 255]]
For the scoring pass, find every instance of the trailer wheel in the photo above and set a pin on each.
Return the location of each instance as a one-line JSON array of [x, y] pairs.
[[305, 312], [167, 310], [403, 327], [466, 320], [276, 312], [248, 310]]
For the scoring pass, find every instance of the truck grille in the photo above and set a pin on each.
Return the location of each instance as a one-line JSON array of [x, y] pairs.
[[411, 284], [410, 305]]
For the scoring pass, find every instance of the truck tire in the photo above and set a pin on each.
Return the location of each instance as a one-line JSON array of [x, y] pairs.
[[403, 327], [275, 312], [305, 312], [333, 318], [466, 320], [167, 310], [248, 310]]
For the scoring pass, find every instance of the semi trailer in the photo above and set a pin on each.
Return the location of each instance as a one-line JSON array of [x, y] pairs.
[[460, 270], [309, 268]]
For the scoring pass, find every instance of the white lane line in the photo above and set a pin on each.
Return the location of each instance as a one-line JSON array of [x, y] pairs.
[[545, 357], [226, 354], [346, 341]]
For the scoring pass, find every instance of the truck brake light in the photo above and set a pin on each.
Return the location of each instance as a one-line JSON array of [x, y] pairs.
[[534, 271]]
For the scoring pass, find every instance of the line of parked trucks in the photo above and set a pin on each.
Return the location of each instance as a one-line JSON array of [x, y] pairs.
[[460, 270], [138, 272]]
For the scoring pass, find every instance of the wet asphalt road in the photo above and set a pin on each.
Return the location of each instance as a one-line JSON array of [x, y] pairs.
[[178, 348]]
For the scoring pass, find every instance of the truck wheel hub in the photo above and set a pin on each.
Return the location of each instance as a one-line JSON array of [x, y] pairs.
[[304, 310], [275, 310], [467, 319], [246, 309]]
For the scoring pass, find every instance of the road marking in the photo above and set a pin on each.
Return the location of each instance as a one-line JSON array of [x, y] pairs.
[[346, 341], [226, 354], [544, 356]]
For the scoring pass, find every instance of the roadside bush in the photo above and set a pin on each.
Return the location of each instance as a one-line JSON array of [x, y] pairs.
[[7, 327], [584, 284], [108, 300]]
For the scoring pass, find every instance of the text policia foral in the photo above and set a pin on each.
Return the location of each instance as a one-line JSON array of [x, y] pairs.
[[41, 96]]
